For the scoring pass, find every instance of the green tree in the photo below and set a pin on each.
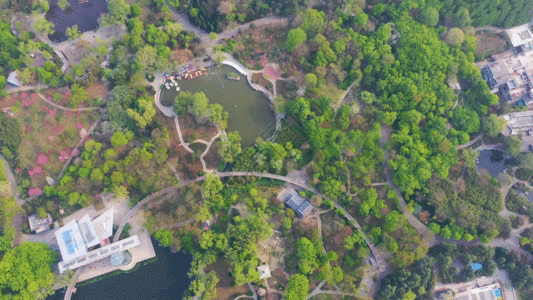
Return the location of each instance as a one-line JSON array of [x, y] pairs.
[[118, 12], [469, 157], [493, 125], [41, 212], [313, 21], [120, 139], [429, 16], [462, 18], [42, 25], [10, 132], [465, 119], [213, 36], [27, 270], [307, 260], [229, 149], [164, 237], [146, 57], [310, 80], [73, 32], [200, 105], [97, 176], [455, 36], [513, 144], [298, 288], [296, 37]]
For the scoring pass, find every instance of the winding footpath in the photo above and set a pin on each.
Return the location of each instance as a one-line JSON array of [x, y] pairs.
[[298, 183], [427, 235], [63, 107]]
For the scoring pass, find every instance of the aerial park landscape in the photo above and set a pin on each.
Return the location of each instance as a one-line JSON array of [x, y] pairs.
[[266, 149]]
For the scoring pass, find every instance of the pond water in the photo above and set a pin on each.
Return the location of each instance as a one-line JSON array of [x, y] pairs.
[[84, 14], [164, 279], [491, 160], [249, 110]]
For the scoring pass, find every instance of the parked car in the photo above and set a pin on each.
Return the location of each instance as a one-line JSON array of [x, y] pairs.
[[531, 148], [528, 132]]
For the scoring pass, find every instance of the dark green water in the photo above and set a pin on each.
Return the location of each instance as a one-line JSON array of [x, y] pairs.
[[165, 279], [249, 110]]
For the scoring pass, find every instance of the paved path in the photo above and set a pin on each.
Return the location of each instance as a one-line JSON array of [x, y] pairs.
[[12, 181], [63, 107], [489, 28], [478, 138], [427, 235], [70, 288], [24, 88]]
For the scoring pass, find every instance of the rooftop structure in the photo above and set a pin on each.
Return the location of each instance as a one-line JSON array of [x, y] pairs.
[[298, 203], [264, 271], [39, 224], [70, 241], [13, 79], [100, 253], [519, 122], [103, 224], [74, 238], [489, 292], [512, 77], [520, 35]]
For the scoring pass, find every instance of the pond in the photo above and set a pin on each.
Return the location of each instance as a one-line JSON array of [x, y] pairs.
[[249, 110], [491, 160], [84, 14], [164, 279]]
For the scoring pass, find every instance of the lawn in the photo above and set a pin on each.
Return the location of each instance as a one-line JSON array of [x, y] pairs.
[[48, 138]]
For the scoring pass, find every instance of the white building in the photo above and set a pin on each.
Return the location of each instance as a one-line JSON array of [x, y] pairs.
[[75, 237]]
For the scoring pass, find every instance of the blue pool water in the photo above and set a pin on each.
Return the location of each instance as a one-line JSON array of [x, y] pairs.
[[497, 293]]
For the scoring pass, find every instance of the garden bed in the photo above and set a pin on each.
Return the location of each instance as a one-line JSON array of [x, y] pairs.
[[48, 137]]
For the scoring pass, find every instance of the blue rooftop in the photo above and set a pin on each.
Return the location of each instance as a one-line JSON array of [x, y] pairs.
[[69, 243]]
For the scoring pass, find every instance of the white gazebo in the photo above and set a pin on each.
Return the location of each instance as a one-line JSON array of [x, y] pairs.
[[264, 271]]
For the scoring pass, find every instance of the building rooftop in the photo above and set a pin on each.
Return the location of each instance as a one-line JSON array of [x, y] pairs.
[[39, 224], [70, 241], [99, 253], [520, 35], [103, 224], [13, 79], [298, 203], [87, 230], [264, 271]]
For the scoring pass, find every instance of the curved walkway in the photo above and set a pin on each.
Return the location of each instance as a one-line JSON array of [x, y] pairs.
[[427, 235], [478, 138], [24, 88], [63, 107], [12, 181]]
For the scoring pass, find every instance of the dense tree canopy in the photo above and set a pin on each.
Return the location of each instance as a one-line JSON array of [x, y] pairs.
[[27, 270]]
